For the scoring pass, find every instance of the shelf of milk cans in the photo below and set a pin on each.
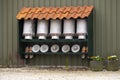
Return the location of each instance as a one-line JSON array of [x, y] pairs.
[[64, 35]]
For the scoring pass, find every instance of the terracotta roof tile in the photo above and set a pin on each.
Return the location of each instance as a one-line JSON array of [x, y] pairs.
[[80, 9], [60, 10], [57, 15], [76, 15], [54, 13], [66, 9], [63, 15], [52, 10], [45, 10], [38, 10], [74, 9], [25, 10]]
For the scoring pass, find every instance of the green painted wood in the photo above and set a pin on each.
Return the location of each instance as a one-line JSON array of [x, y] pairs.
[[47, 3], [118, 27], [36, 3], [52, 3], [19, 6], [114, 27], [5, 33], [57, 3], [9, 33], [26, 3], [91, 2], [15, 33], [98, 28], [63, 3], [74, 2], [90, 34], [106, 30], [1, 32], [108, 26], [68, 2], [79, 2], [85, 2], [41, 3], [31, 3], [94, 28], [103, 26], [53, 41]]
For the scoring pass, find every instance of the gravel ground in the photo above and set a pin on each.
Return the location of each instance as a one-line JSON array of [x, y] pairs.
[[57, 74]]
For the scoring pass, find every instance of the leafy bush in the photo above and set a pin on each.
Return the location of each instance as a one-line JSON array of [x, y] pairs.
[[96, 58], [113, 57]]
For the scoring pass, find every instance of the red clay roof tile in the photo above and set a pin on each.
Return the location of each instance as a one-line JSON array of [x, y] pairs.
[[73, 9], [66, 9], [25, 10], [54, 13], [52, 10], [60, 10]]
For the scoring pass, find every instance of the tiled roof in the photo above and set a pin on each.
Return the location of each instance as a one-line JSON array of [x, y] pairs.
[[54, 13]]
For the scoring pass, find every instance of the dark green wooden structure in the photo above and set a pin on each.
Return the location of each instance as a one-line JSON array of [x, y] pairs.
[[106, 31]]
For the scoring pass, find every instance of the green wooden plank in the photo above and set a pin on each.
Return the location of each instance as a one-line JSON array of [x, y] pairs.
[[91, 2], [74, 2], [20, 5], [50, 53], [74, 62], [36, 3], [25, 3], [10, 30], [70, 58], [52, 3], [47, 3], [79, 2], [79, 63], [85, 2], [103, 27], [55, 60], [43, 60], [31, 3], [5, 36], [41, 3], [68, 2], [63, 3], [59, 60], [51, 60], [1, 32], [94, 28], [118, 27], [113, 26], [99, 29], [15, 33], [57, 3], [37, 61], [108, 26], [54, 41]]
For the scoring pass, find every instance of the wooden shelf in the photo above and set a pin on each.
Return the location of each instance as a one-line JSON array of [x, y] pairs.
[[53, 40], [88, 42], [38, 53]]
